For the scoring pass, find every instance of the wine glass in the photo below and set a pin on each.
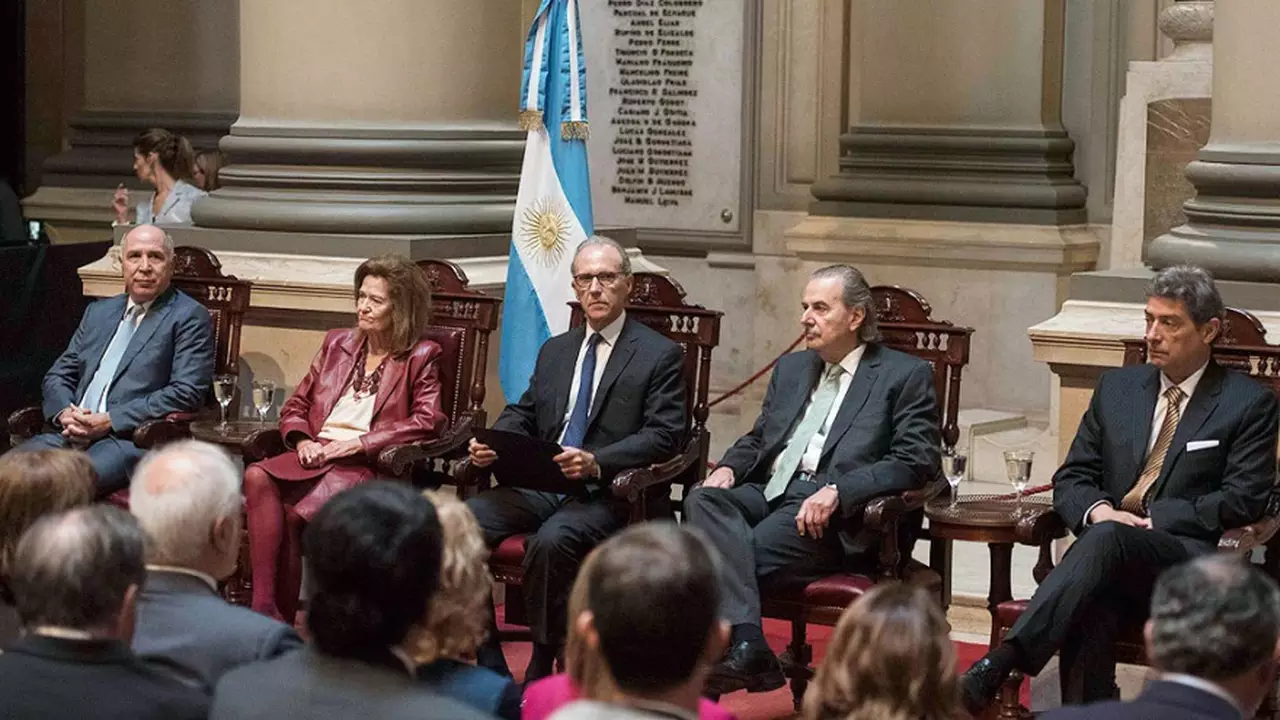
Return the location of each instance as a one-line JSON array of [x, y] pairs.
[[264, 395], [1017, 463], [224, 388], [953, 466]]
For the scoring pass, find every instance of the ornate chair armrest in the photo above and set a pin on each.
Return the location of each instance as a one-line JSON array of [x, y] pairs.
[[1243, 540], [25, 424], [1039, 525], [883, 513], [629, 485], [171, 427], [469, 478], [398, 460], [262, 444]]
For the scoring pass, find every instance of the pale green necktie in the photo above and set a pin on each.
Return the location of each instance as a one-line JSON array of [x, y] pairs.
[[809, 426]]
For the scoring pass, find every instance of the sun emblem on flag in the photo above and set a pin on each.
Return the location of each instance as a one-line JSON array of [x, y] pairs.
[[544, 229]]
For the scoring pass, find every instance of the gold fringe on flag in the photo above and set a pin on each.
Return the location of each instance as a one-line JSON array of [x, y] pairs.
[[530, 120], [574, 130]]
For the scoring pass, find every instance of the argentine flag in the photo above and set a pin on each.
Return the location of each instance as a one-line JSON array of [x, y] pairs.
[[553, 207]]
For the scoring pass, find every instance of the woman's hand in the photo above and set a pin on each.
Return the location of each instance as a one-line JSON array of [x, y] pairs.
[[310, 454], [341, 449], [120, 203]]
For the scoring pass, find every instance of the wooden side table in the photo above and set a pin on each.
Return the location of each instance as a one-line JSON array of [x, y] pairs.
[[990, 519]]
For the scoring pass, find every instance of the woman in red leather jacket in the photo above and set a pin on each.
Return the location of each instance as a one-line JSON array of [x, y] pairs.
[[369, 388]]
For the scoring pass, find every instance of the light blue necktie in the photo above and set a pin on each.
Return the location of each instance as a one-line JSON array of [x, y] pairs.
[[575, 431], [823, 398], [95, 397]]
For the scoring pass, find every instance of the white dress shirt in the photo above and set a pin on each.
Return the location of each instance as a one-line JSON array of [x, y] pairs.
[[813, 452], [604, 348], [1204, 686], [1188, 386]]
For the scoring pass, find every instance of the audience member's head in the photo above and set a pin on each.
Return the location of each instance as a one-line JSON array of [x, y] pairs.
[[186, 496], [146, 262], [35, 484], [1218, 619], [653, 603], [585, 667], [457, 617], [1184, 316], [374, 556], [157, 151], [890, 658], [81, 570], [393, 301], [207, 165]]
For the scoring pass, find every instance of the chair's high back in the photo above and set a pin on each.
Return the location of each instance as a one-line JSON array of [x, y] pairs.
[[197, 272], [906, 324], [659, 302], [1241, 346], [461, 321]]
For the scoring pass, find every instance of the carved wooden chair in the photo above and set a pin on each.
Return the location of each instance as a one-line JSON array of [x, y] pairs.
[[1242, 347], [461, 322], [906, 324], [658, 302], [196, 272]]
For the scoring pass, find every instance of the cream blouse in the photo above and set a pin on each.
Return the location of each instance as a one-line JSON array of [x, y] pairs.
[[350, 418]]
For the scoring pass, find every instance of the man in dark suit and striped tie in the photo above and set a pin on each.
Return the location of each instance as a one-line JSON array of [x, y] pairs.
[[612, 394], [1168, 456]]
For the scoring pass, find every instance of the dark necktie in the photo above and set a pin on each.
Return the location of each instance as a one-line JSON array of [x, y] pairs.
[[575, 432]]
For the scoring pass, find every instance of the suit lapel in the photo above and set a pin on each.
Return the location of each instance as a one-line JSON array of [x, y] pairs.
[[1201, 405], [150, 322], [106, 331], [562, 380], [1143, 409], [859, 390], [392, 373], [332, 392], [618, 359]]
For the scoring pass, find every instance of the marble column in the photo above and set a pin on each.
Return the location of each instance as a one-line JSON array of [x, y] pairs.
[[392, 120], [959, 116], [1233, 222], [135, 64]]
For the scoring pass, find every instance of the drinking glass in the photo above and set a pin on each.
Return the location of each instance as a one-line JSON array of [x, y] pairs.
[[1017, 463], [953, 466], [224, 388], [264, 395]]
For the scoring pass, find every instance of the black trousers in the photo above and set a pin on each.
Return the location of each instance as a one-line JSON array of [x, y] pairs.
[[1103, 585], [564, 530], [759, 543]]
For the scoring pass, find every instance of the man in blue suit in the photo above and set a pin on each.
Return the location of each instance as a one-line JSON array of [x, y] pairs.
[[135, 357]]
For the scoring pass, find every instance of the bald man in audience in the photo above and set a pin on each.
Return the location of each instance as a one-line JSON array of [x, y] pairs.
[[76, 579], [187, 498], [137, 356]]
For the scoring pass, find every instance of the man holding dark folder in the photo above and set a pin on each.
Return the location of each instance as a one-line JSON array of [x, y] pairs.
[[612, 395]]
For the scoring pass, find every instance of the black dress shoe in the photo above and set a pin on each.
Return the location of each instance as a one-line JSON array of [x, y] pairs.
[[980, 685], [750, 665]]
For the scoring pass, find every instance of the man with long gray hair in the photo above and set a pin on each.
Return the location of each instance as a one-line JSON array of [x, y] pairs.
[[1213, 634], [1169, 455], [843, 422], [76, 578], [186, 496]]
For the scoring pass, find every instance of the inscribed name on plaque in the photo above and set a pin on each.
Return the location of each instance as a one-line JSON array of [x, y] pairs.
[[664, 80]]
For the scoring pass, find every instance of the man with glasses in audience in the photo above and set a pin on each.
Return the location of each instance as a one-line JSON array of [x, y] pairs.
[[612, 395]]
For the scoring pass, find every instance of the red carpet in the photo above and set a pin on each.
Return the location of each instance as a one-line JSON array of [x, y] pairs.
[[776, 704]]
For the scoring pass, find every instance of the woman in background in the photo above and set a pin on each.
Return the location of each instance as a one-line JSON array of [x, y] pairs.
[[166, 162], [208, 164], [32, 485], [890, 658], [443, 647]]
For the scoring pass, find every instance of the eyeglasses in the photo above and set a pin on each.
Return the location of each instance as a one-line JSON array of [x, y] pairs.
[[607, 280]]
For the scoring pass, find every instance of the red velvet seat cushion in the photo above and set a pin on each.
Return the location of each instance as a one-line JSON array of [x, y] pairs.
[[840, 590], [510, 551], [1008, 612], [120, 499]]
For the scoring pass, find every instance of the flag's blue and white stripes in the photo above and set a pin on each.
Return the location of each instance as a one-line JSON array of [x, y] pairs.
[[553, 206]]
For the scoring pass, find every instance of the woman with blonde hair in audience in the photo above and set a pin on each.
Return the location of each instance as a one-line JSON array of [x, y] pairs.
[[586, 675], [890, 658], [166, 162], [32, 485], [207, 166], [457, 619]]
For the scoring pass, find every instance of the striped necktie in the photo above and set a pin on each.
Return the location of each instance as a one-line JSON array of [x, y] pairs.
[[1135, 501]]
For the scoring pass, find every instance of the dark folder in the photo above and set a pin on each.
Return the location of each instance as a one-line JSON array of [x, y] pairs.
[[525, 462]]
